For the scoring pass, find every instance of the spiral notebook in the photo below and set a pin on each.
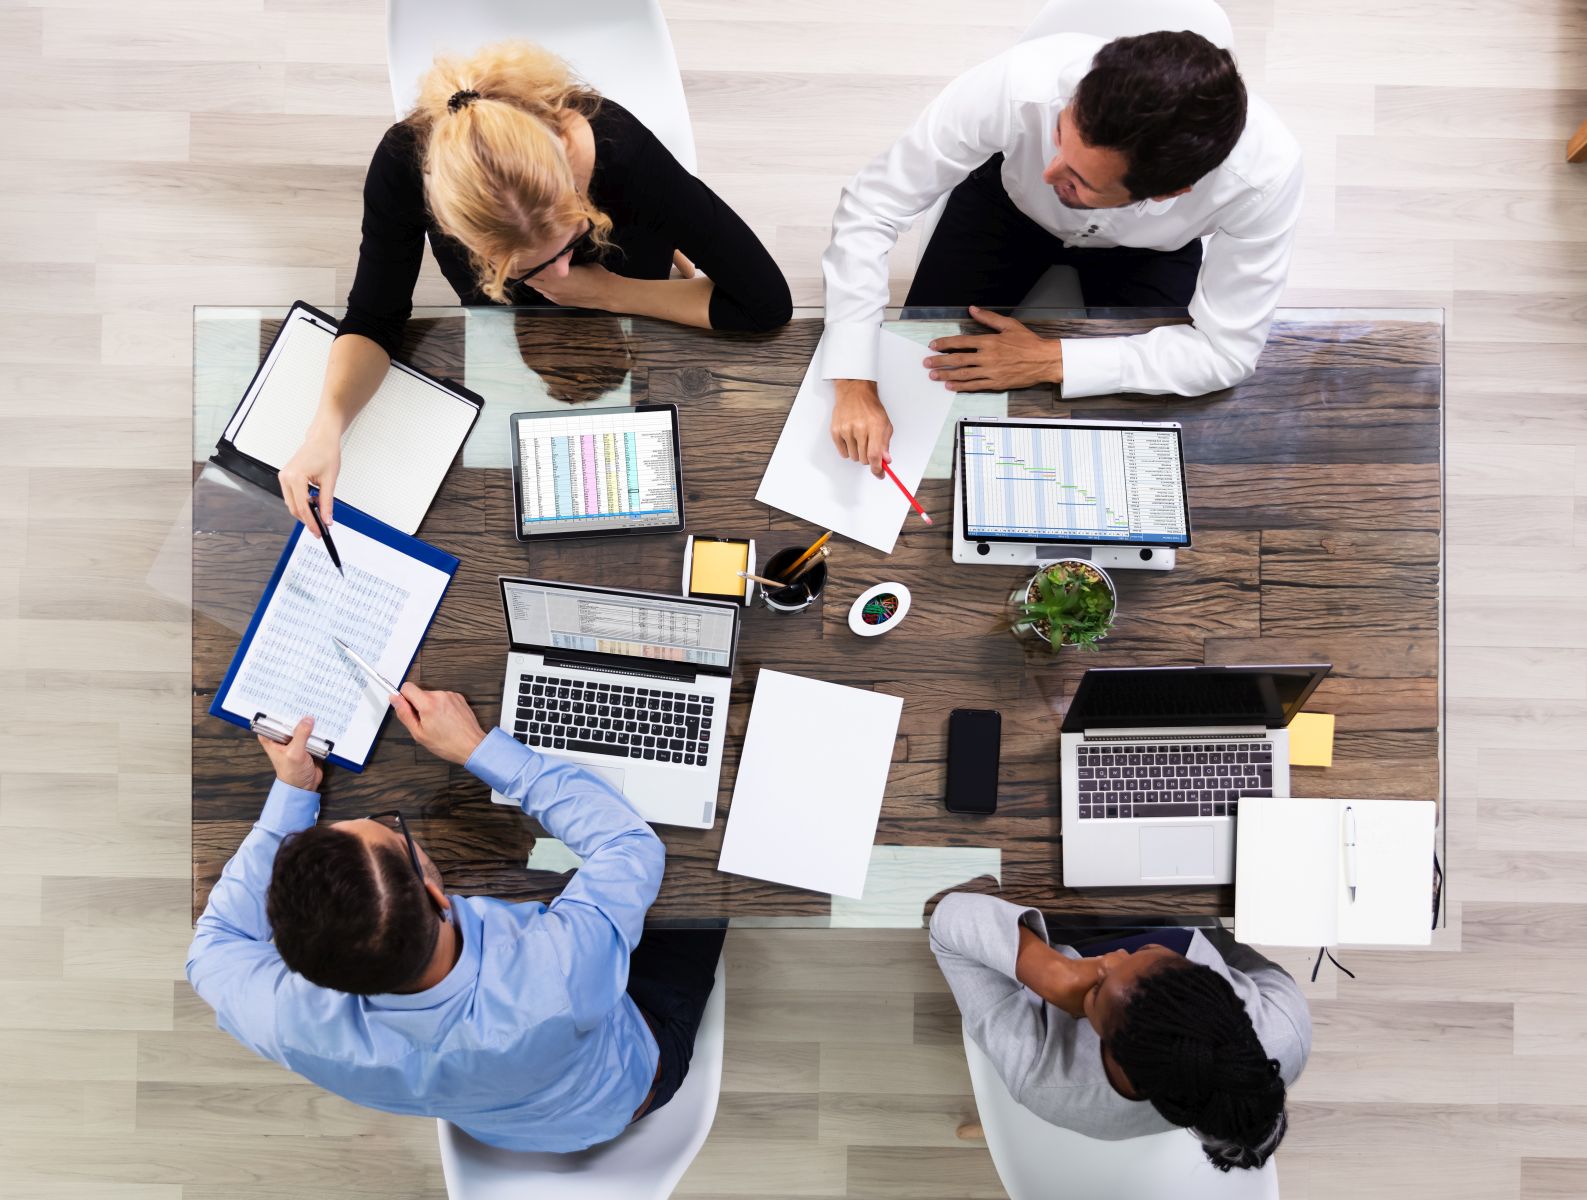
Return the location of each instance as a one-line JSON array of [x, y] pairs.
[[395, 453]]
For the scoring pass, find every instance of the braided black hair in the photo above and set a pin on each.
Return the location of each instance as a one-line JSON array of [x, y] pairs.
[[1186, 1043]]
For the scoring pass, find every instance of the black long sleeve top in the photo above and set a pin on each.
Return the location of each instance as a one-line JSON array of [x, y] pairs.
[[655, 205]]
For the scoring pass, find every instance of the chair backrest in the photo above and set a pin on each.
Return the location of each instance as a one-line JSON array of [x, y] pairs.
[[1125, 18], [1108, 19], [1038, 1161], [643, 1163], [620, 47]]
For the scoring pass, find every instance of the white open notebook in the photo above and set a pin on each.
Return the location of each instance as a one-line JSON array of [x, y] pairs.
[[1290, 886], [395, 453]]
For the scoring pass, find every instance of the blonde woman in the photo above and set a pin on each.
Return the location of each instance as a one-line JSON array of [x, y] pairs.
[[532, 189]]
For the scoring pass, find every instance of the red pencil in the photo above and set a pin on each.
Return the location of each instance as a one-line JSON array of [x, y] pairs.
[[924, 515]]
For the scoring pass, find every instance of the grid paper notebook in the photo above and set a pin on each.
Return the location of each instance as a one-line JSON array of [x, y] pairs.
[[395, 453]]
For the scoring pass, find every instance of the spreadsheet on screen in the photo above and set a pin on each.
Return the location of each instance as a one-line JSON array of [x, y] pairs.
[[590, 472], [1074, 483]]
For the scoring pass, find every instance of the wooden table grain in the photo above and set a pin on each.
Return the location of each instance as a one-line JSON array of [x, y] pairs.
[[1315, 495]]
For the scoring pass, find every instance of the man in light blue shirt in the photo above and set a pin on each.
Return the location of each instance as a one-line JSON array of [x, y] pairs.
[[509, 1020]]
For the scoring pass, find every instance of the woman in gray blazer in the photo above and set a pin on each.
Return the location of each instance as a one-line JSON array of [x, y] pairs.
[[1180, 1027]]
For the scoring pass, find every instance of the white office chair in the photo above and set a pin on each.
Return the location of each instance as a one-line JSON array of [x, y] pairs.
[[621, 48], [643, 1163], [1038, 1161], [1059, 287]]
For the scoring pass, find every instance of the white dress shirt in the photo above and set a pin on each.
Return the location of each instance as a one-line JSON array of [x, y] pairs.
[[1246, 209]]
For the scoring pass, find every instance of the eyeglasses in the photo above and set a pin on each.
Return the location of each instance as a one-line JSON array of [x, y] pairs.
[[589, 228], [401, 827]]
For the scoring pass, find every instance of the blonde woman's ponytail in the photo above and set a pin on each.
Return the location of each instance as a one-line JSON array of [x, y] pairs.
[[496, 170]]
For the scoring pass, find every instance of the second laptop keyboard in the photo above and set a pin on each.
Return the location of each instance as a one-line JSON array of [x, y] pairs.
[[1192, 779], [656, 724]]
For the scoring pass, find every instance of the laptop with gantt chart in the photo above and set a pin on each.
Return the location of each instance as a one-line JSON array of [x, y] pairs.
[[1155, 759], [633, 685]]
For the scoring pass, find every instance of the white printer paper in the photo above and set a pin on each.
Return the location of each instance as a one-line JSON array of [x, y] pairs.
[[810, 783], [807, 478]]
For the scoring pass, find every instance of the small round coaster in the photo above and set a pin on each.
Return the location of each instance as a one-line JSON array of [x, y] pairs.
[[879, 609]]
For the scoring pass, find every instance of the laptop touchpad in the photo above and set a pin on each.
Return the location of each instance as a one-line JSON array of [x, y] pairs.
[[612, 775], [1178, 851]]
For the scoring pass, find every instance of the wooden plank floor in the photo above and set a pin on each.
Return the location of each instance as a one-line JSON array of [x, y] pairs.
[[162, 154]]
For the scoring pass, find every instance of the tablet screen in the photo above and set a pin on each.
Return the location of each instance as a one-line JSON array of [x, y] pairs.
[[607, 471], [1096, 484]]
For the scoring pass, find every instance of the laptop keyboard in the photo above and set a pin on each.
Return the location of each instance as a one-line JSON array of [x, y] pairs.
[[1194, 779], [654, 724]]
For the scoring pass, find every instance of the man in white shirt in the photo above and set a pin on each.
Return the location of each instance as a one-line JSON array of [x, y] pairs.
[[1114, 157]]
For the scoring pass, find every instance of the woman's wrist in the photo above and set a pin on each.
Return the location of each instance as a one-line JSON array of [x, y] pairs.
[[325, 429]]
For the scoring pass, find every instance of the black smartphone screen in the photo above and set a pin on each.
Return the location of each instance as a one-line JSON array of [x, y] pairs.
[[974, 740]]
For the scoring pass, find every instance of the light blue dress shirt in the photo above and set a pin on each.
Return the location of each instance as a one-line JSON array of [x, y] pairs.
[[530, 1042]]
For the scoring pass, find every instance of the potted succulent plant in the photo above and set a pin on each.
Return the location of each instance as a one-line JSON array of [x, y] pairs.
[[1070, 602]]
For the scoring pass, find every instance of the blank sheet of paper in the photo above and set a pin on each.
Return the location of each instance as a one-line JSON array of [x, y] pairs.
[[807, 478], [810, 783], [395, 453], [381, 609]]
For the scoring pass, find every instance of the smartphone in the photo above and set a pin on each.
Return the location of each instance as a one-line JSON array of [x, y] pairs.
[[975, 737]]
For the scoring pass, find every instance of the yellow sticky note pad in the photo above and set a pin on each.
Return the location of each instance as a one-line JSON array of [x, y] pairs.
[[716, 567], [1311, 740]]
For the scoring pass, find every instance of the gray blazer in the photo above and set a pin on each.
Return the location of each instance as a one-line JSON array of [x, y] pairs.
[[1052, 1063]]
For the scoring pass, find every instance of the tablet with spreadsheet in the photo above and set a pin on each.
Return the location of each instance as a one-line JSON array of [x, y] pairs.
[[596, 472]]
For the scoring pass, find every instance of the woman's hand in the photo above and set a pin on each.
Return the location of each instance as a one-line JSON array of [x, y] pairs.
[[1062, 982], [588, 286], [316, 463], [1066, 982]]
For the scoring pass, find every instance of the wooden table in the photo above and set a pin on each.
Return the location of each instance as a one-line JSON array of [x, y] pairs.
[[1315, 494]]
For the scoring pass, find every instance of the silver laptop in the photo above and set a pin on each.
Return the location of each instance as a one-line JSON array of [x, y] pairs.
[[633, 685], [1155, 759]]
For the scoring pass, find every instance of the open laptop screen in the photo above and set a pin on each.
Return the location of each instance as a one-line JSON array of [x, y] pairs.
[[1190, 697], [1045, 481], [551, 616]]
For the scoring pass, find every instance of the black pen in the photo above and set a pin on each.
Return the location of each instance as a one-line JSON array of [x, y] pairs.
[[325, 535]]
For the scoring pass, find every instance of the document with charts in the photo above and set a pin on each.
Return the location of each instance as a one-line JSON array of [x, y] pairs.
[[288, 667], [807, 478]]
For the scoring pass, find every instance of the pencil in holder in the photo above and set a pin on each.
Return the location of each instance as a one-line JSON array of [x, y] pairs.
[[802, 592]]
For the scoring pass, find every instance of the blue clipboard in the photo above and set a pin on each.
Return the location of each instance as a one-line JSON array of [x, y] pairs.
[[377, 530]]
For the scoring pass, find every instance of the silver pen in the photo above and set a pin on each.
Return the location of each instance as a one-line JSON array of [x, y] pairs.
[[1350, 851], [357, 661]]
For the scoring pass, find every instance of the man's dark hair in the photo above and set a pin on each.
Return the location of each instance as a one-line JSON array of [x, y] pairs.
[[349, 915], [1172, 103], [1186, 1044]]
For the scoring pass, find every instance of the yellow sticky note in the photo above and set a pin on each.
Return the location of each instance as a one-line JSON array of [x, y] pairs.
[[1311, 740], [716, 567]]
